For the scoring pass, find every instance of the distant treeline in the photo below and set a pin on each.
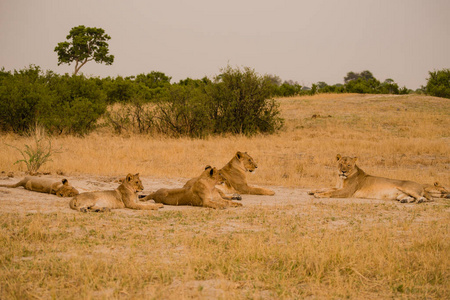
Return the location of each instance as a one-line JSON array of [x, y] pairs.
[[235, 101]]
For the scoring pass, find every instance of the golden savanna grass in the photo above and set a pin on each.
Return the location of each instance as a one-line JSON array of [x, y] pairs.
[[310, 249]]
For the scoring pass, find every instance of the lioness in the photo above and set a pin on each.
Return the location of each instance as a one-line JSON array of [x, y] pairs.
[[436, 190], [200, 191], [46, 185], [124, 196], [234, 172], [222, 194], [356, 183]]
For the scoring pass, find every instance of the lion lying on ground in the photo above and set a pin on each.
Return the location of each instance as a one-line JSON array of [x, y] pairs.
[[436, 190], [124, 196], [60, 188], [236, 179], [199, 191], [221, 193], [356, 183]]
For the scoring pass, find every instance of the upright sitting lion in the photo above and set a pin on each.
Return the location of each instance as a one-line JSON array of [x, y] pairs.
[[61, 188], [124, 196], [199, 191], [356, 183], [236, 178]]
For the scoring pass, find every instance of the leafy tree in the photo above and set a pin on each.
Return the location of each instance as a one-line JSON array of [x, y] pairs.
[[366, 75], [389, 87], [276, 80], [85, 44], [351, 76], [438, 84], [321, 85]]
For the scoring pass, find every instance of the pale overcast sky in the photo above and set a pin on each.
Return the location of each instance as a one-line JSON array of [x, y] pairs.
[[304, 41]]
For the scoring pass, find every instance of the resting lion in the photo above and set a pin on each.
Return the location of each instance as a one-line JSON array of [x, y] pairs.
[[235, 173], [60, 188], [437, 190], [199, 191], [222, 194], [124, 196], [356, 183]]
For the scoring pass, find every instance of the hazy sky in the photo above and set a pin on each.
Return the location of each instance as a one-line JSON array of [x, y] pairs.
[[304, 41]]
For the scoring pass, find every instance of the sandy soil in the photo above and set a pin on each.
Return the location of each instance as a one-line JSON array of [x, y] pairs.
[[15, 200]]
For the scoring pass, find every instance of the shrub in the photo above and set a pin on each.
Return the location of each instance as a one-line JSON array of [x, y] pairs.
[[184, 111], [439, 83], [241, 103], [135, 116], [20, 95], [34, 156], [75, 107]]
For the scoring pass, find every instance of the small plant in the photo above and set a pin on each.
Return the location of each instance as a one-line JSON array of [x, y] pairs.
[[34, 156]]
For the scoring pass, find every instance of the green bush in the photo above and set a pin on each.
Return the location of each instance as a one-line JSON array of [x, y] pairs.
[[241, 103], [75, 107], [62, 104], [184, 110], [21, 93], [439, 83]]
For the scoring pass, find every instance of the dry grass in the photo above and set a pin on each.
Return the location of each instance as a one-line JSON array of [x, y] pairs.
[[405, 137], [313, 249]]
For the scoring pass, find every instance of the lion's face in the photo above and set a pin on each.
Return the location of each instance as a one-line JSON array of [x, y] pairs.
[[248, 162], [440, 188], [216, 175], [66, 190], [135, 182], [346, 165]]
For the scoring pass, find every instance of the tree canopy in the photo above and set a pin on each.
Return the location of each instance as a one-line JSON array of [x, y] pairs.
[[85, 44]]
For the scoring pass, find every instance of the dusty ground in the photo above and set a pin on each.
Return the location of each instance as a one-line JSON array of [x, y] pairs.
[[289, 207], [15, 200]]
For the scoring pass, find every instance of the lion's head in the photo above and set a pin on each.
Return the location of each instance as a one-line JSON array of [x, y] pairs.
[[247, 161], [441, 188], [346, 165], [66, 190], [215, 174], [134, 181]]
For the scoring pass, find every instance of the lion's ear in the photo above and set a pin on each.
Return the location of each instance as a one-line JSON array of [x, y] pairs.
[[436, 183], [65, 181], [208, 167], [338, 157], [239, 154], [355, 159], [129, 177], [211, 172]]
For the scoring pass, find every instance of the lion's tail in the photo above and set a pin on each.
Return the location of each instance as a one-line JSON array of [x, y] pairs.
[[10, 185]]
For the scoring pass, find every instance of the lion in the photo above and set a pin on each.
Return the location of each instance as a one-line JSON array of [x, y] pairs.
[[222, 194], [124, 196], [60, 188], [356, 183], [199, 191], [436, 190], [235, 174]]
